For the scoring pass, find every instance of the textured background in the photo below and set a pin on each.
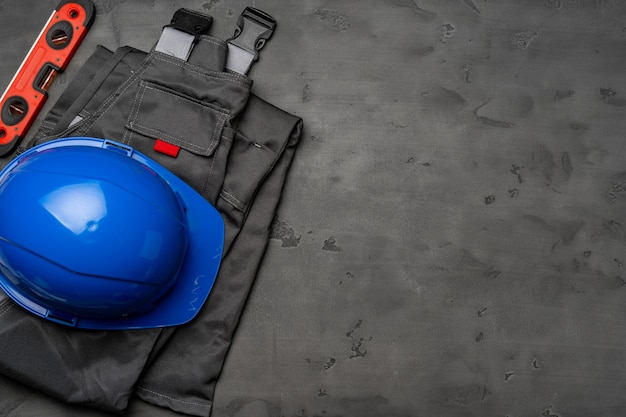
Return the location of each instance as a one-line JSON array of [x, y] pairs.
[[451, 239]]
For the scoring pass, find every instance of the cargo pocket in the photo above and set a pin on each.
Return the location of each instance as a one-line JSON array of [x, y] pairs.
[[188, 136]]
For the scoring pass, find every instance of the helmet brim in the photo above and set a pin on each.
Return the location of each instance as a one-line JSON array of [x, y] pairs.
[[198, 270]]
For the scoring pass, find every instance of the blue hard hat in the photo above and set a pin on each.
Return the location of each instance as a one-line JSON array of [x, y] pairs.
[[95, 235]]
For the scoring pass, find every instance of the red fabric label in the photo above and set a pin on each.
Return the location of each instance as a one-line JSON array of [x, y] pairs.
[[166, 148]]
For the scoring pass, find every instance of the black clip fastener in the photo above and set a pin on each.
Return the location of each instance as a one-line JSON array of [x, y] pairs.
[[254, 27], [191, 22]]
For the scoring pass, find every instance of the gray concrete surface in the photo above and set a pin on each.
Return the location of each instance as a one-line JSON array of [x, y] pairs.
[[451, 241]]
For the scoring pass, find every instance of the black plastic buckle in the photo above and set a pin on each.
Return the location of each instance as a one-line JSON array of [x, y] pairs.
[[191, 22], [254, 27]]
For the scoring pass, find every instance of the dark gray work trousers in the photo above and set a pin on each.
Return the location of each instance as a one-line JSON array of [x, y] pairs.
[[235, 150]]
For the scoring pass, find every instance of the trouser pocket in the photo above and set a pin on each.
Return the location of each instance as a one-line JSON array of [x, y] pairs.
[[186, 135]]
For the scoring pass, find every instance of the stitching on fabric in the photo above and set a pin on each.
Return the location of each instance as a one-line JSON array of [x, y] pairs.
[[8, 306], [208, 178], [133, 114], [121, 62], [174, 399], [235, 199], [104, 107], [231, 202], [158, 133], [214, 41], [113, 98], [192, 68], [210, 106], [221, 122], [201, 71], [84, 125], [228, 199], [134, 111], [214, 138], [126, 137]]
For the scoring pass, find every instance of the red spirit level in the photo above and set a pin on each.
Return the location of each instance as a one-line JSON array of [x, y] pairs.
[[49, 55]]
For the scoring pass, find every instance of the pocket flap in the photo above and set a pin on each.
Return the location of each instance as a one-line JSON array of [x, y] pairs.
[[162, 113]]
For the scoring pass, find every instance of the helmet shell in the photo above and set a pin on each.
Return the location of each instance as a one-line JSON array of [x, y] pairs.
[[94, 235]]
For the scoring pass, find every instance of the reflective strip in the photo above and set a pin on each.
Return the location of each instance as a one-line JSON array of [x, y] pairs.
[[175, 43], [239, 60]]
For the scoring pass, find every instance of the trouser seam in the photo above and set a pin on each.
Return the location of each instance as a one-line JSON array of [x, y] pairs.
[[6, 306], [232, 200]]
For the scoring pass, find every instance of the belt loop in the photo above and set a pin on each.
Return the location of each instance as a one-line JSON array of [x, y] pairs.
[[254, 28], [179, 37]]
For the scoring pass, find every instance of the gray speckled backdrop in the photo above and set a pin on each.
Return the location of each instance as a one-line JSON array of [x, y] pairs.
[[451, 241]]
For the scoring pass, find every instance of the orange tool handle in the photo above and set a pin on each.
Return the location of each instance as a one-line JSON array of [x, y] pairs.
[[26, 94]]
